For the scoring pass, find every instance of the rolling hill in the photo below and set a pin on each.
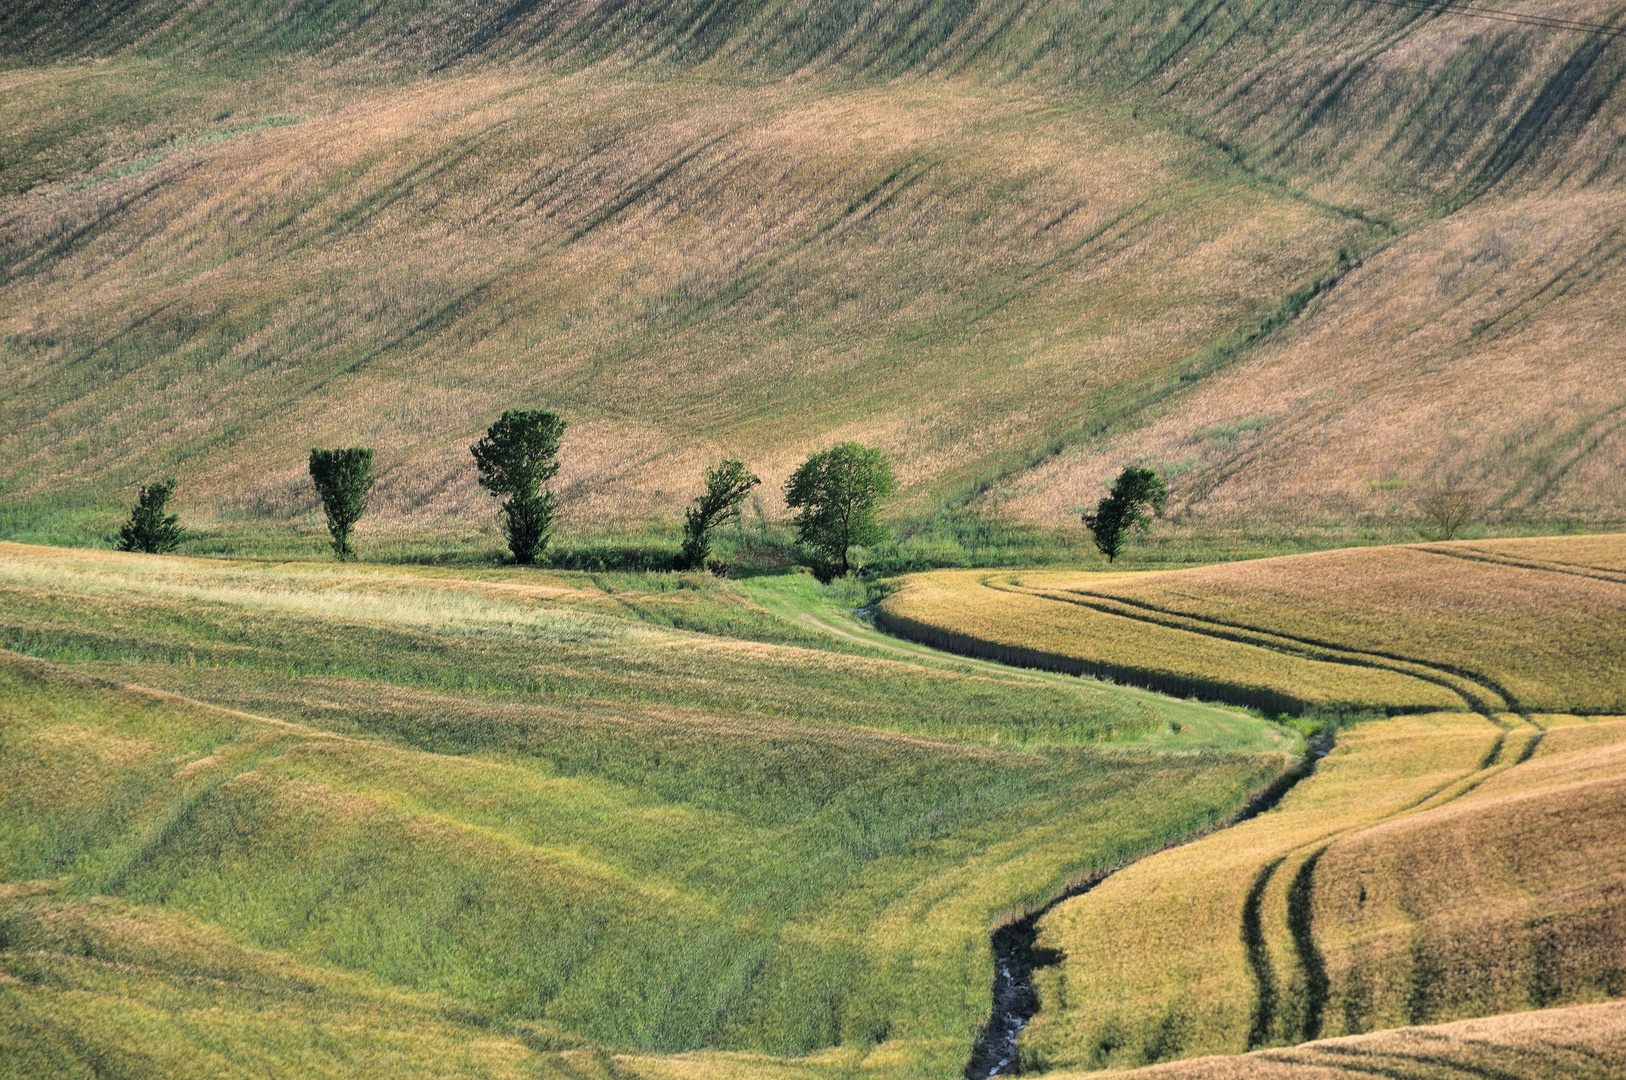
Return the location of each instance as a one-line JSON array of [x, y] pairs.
[[358, 819], [1433, 867], [1522, 626], [1310, 258], [529, 815]]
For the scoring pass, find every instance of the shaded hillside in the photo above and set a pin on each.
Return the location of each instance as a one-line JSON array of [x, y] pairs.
[[1353, 96], [976, 234]]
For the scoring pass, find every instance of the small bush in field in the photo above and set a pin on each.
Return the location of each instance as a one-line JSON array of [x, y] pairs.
[[149, 528], [727, 485], [1446, 512]]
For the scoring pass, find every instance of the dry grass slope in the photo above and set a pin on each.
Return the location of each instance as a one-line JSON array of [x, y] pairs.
[[1370, 242], [1158, 961], [981, 613], [699, 271], [1508, 897], [1582, 1042], [1428, 871]]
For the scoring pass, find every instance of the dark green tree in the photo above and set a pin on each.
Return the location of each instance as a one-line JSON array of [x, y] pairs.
[[1136, 496], [837, 493], [520, 453], [343, 478], [727, 485], [149, 528]]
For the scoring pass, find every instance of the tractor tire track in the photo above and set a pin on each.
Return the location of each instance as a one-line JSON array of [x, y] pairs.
[[1596, 573], [1447, 676]]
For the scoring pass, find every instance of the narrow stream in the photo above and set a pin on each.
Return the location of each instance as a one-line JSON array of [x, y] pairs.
[[1016, 951], [1015, 957]]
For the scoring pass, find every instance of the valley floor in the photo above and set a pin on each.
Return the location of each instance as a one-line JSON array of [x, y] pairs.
[[351, 820]]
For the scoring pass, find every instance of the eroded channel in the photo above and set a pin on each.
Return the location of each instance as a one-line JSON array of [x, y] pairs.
[[1016, 956], [1017, 953]]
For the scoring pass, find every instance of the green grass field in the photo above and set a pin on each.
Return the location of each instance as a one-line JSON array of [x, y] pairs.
[[639, 813]]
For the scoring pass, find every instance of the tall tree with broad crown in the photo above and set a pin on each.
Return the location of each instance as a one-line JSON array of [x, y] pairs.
[[836, 494]]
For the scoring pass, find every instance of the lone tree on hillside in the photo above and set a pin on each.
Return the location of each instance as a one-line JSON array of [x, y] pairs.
[[149, 528], [1136, 495], [344, 478], [727, 485], [1446, 511], [519, 453], [837, 492]]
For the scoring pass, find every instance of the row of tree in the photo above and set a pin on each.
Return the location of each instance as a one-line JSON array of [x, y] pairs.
[[836, 493]]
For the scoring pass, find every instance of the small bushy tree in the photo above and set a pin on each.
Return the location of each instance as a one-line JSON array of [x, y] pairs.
[[727, 485], [518, 454], [1136, 496], [343, 478], [836, 494], [149, 528], [1447, 512]]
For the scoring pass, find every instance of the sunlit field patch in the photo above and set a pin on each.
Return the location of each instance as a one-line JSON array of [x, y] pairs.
[[1397, 628]]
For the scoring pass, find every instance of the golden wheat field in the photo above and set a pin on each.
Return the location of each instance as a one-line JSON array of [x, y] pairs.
[[1156, 963], [1508, 897], [1431, 868], [988, 613], [1465, 624], [1581, 1042], [1428, 870]]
